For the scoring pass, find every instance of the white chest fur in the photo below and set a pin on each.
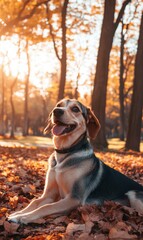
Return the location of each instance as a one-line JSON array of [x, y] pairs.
[[66, 175]]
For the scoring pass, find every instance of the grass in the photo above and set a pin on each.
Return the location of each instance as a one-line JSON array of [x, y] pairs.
[[35, 141], [27, 141], [117, 144]]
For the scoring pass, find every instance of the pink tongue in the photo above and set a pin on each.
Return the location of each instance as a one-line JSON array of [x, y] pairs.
[[58, 129]]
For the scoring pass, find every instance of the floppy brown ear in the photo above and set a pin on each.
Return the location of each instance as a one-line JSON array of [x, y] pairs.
[[93, 124], [49, 125]]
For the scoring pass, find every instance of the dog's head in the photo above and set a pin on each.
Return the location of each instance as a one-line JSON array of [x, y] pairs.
[[69, 120]]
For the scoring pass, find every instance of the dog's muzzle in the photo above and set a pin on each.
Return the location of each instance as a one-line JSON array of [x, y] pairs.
[[60, 127]]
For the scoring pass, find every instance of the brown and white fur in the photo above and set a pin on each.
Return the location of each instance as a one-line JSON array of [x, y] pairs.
[[75, 175]]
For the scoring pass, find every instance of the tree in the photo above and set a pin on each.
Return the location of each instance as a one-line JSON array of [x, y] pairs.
[[101, 76], [12, 108], [63, 57], [64, 52], [135, 118], [14, 14], [12, 87], [125, 61], [2, 127], [25, 127], [22, 18], [121, 84]]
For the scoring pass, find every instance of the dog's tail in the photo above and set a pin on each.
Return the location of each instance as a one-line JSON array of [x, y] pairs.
[[136, 200]]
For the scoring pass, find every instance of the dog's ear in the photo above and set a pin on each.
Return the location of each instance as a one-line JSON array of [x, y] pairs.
[[49, 125], [93, 124]]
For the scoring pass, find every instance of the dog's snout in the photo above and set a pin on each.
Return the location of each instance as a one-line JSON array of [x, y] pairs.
[[58, 112]]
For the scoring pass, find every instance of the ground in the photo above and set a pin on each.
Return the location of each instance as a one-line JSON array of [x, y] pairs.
[[22, 176]]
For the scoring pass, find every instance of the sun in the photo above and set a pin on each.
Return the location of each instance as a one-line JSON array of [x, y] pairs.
[[14, 61]]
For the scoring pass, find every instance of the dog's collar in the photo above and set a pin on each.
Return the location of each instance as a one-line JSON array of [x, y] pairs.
[[82, 143]]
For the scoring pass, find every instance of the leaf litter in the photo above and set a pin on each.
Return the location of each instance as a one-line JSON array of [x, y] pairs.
[[22, 177]]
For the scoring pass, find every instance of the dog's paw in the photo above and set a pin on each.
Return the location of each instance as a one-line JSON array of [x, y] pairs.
[[13, 218], [23, 219]]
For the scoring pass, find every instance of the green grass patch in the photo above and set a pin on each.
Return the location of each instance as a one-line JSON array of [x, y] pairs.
[[117, 144]]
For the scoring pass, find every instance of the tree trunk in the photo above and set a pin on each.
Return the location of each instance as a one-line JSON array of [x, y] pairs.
[[25, 127], [135, 117], [2, 124], [101, 77], [100, 81], [12, 110], [76, 93], [64, 52], [121, 87], [44, 110]]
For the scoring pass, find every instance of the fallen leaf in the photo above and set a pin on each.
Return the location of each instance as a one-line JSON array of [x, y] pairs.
[[59, 229], [72, 227], [2, 220], [88, 226], [11, 227], [29, 189], [85, 236], [13, 201], [3, 209], [117, 234], [22, 172], [61, 219], [100, 237]]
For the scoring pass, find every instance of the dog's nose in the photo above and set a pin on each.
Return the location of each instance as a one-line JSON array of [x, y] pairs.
[[58, 112]]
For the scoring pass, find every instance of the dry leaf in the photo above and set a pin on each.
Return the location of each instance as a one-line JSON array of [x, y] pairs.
[[13, 201], [61, 219], [22, 172], [88, 226], [117, 234], [100, 237], [11, 227], [85, 236], [29, 189], [71, 228]]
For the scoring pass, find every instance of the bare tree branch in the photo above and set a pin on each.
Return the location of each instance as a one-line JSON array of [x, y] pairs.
[[51, 33], [128, 91], [120, 15], [23, 8], [32, 11], [130, 20], [8, 25]]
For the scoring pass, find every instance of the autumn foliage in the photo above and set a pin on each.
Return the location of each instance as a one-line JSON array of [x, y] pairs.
[[22, 176]]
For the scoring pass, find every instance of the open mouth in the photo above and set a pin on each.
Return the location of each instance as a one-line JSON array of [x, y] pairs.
[[60, 128]]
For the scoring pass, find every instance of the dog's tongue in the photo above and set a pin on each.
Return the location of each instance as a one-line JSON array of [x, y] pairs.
[[58, 129]]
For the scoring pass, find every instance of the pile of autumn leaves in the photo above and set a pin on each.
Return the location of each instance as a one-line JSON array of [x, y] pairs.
[[22, 176]]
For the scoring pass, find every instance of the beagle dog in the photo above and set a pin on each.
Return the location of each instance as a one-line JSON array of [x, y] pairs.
[[75, 175]]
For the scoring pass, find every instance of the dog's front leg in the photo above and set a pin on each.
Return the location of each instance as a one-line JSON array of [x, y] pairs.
[[50, 194], [62, 206], [36, 203]]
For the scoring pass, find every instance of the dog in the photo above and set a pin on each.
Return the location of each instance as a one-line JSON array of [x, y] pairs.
[[75, 175]]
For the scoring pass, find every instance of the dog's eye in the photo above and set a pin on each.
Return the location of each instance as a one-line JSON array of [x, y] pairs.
[[75, 109]]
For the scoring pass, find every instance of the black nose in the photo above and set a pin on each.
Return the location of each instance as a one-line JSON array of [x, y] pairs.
[[58, 112]]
